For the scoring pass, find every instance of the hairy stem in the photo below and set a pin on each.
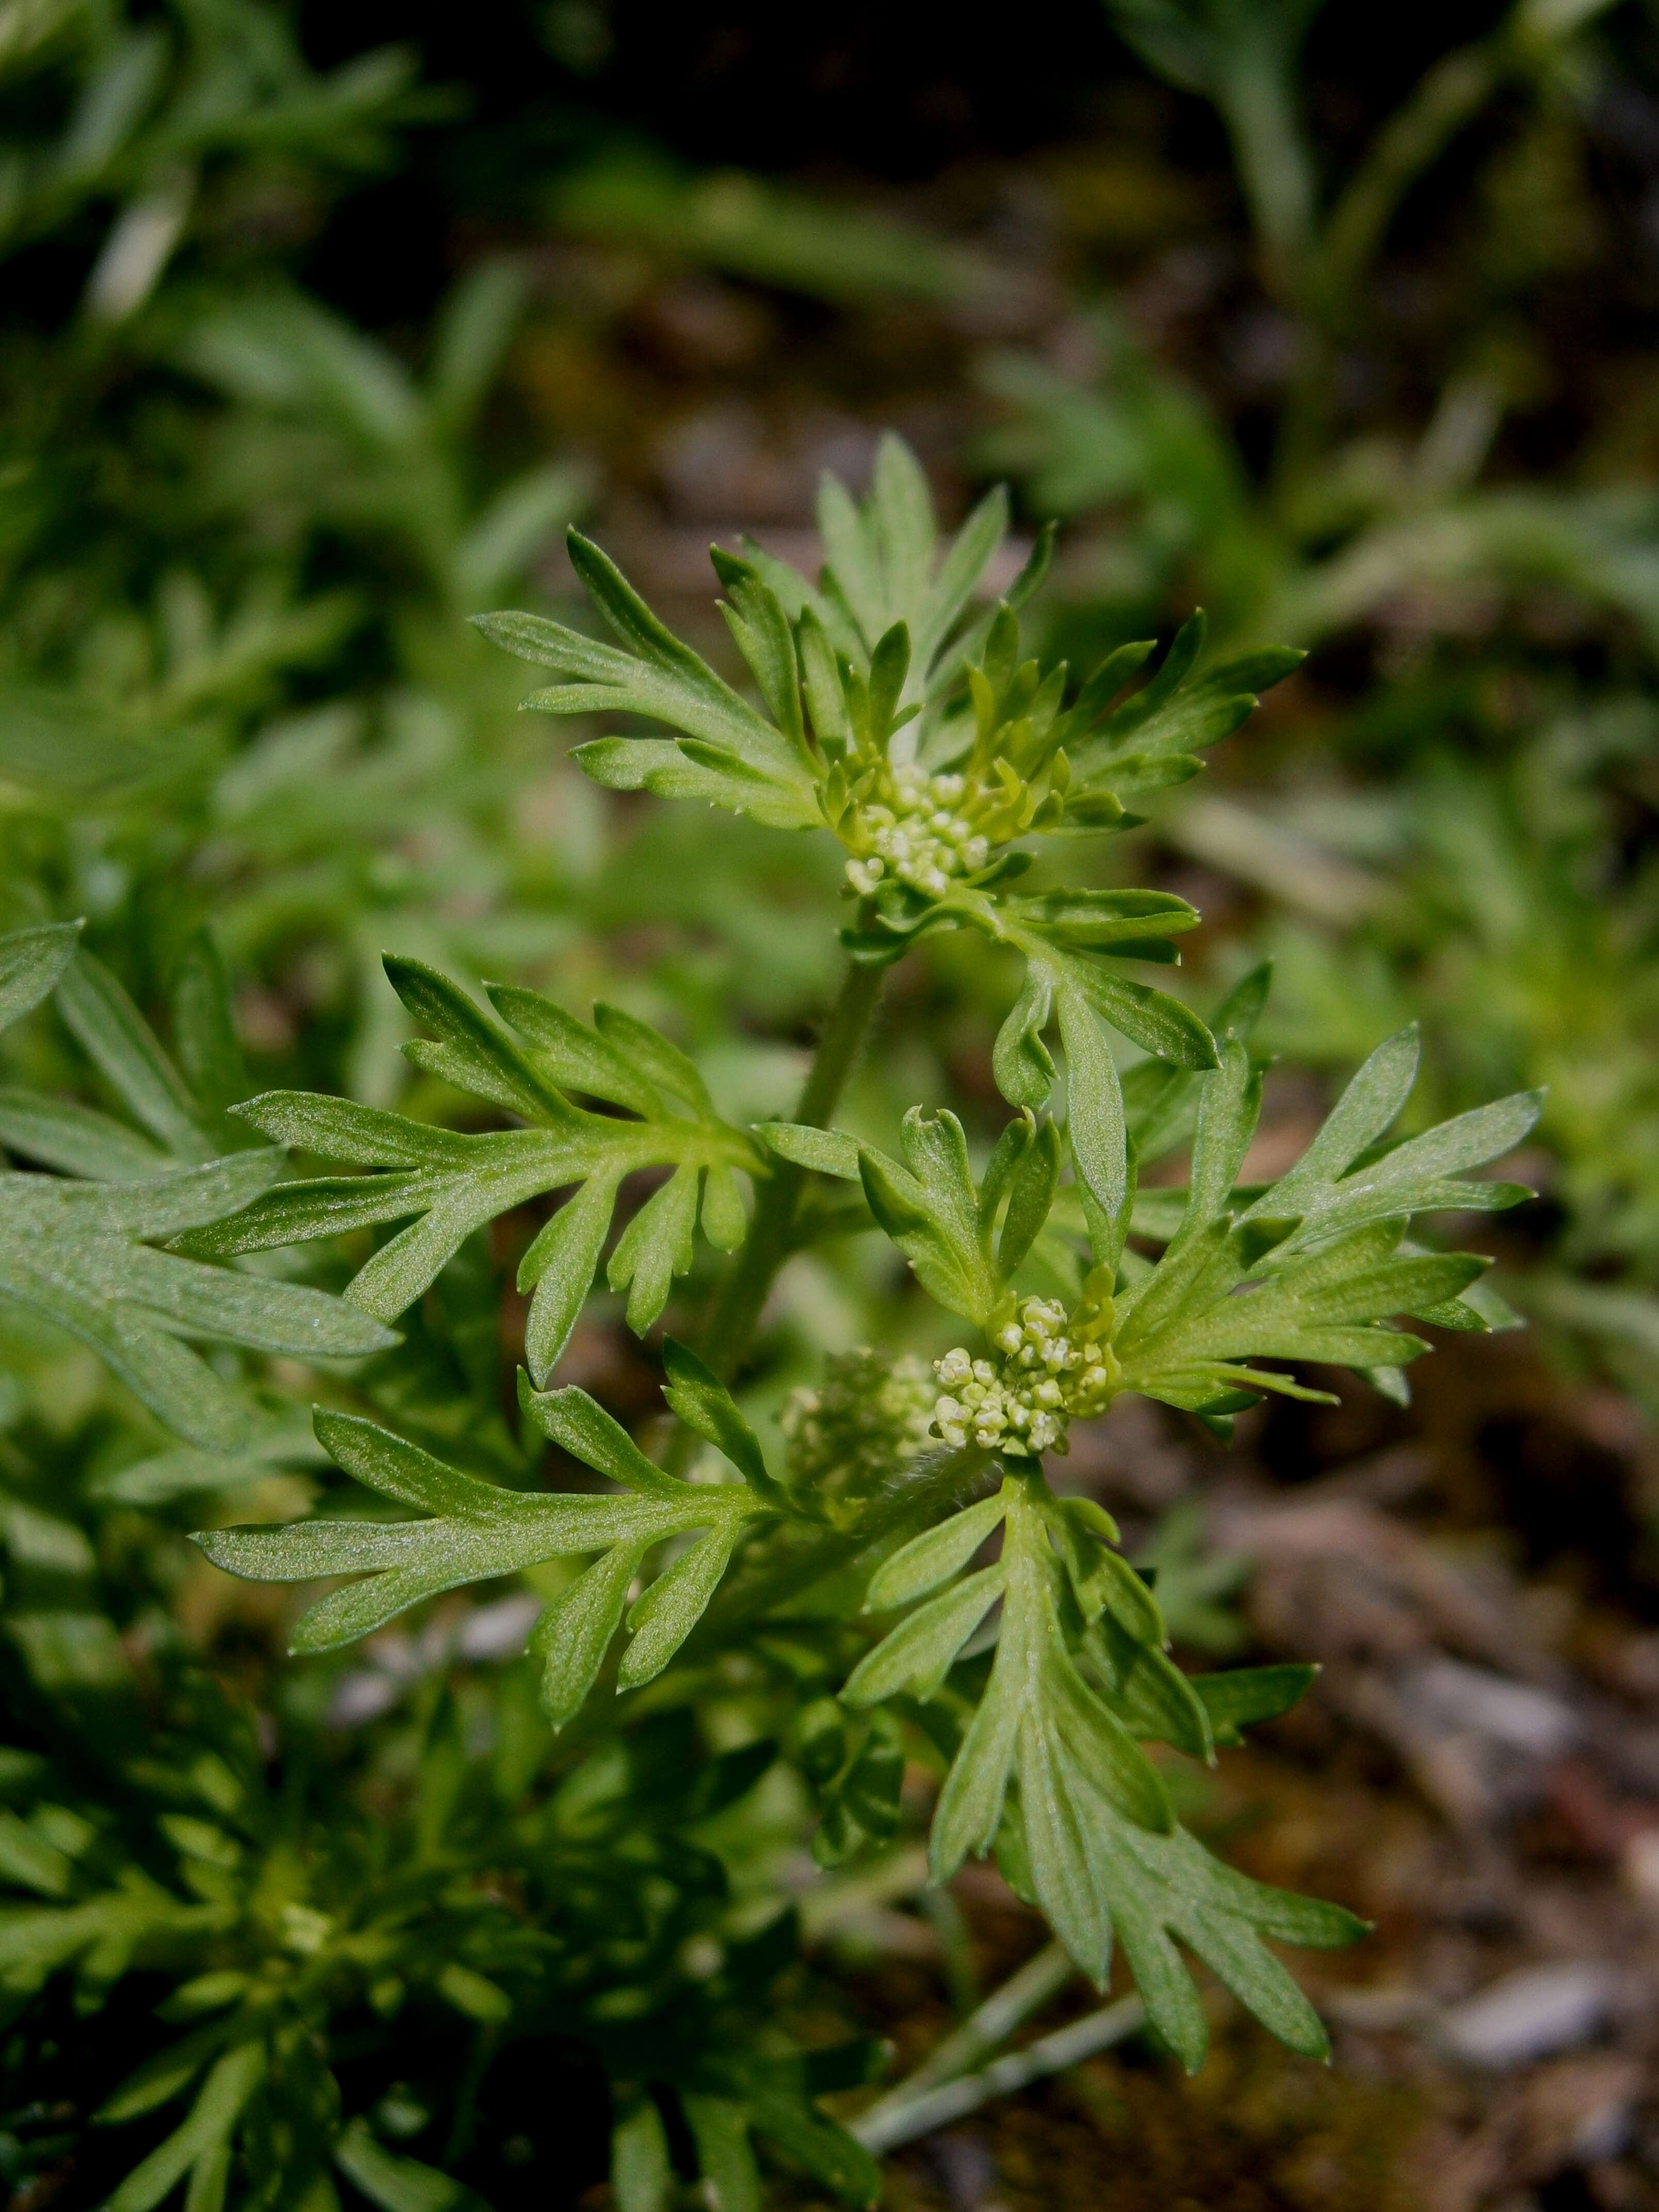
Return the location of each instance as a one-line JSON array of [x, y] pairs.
[[902, 2117], [771, 1234], [993, 2023], [937, 1485]]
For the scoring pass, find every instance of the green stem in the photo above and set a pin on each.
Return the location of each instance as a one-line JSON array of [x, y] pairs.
[[1332, 292], [902, 2117], [1258, 106], [1450, 94], [937, 1485], [990, 2024], [1446, 99], [771, 1234]]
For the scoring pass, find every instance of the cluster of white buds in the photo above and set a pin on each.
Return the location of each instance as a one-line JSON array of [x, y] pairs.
[[1022, 1405], [868, 1418], [923, 838]]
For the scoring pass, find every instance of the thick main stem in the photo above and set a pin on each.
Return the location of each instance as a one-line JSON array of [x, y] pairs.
[[771, 1234]]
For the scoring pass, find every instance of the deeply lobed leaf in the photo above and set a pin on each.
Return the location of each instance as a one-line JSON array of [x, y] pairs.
[[528, 1062]]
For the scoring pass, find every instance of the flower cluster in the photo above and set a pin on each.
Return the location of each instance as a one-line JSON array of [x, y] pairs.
[[1023, 1405], [869, 1416], [924, 832]]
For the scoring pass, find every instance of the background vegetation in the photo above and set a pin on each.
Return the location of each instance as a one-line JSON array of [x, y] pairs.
[[318, 326]]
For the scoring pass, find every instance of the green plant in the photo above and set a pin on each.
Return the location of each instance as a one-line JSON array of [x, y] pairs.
[[1348, 513], [829, 1592], [132, 115], [1457, 831], [1509, 908]]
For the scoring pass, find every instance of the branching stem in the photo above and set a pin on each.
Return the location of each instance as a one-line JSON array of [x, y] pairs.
[[936, 1486], [991, 2023], [771, 1234], [903, 2117]]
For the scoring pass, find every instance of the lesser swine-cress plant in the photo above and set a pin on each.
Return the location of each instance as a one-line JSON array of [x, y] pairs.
[[860, 1572]]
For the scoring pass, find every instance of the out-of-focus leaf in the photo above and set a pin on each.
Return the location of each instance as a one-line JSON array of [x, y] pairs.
[[32, 961], [82, 1255]]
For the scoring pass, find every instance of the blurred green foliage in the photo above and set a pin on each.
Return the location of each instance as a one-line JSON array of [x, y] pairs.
[[1464, 831], [246, 737]]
